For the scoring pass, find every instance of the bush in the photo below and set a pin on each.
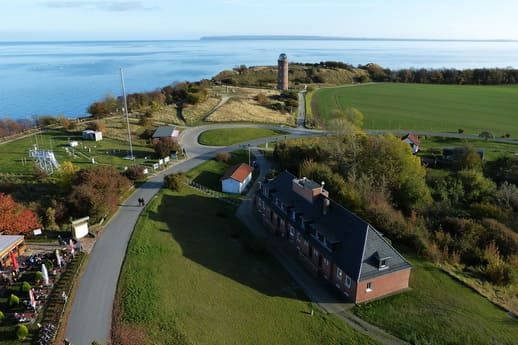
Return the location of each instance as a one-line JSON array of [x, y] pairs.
[[223, 157], [13, 300], [175, 182], [460, 130], [38, 276], [135, 172], [22, 332], [25, 287], [2, 316]]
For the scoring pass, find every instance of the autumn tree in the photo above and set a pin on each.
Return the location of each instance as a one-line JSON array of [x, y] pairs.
[[14, 218], [165, 146], [96, 192]]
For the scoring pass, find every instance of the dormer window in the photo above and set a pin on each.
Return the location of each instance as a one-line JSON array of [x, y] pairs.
[[381, 260]]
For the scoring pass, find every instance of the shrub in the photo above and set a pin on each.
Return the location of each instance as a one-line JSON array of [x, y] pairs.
[[95, 342], [223, 157], [261, 99], [2, 316], [496, 270], [25, 287], [22, 332], [486, 135], [38, 276], [13, 300], [460, 130], [135, 172], [175, 182]]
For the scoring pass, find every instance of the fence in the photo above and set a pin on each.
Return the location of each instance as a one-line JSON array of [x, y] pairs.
[[214, 193]]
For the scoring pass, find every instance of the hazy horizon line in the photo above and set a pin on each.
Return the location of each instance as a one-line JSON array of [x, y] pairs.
[[269, 37]]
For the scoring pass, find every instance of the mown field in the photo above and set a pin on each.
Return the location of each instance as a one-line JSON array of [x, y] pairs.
[[426, 107], [230, 136], [191, 279], [14, 156], [440, 310]]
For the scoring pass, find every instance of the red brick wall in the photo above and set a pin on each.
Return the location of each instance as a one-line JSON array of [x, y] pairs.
[[383, 285]]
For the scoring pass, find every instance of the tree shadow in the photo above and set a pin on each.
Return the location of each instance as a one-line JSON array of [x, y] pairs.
[[209, 179], [210, 235]]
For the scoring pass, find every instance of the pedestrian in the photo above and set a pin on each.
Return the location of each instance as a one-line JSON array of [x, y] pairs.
[[140, 201], [143, 202]]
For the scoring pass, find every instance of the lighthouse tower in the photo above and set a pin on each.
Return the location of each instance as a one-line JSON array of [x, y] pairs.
[[282, 72]]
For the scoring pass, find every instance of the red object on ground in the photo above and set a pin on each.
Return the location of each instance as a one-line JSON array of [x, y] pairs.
[[14, 262]]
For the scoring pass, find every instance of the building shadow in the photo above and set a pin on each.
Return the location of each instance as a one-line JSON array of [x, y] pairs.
[[210, 235]]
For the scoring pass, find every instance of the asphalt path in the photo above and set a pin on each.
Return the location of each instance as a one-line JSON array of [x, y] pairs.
[[91, 313]]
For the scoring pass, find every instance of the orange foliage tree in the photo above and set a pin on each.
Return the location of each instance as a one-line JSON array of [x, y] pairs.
[[14, 218]]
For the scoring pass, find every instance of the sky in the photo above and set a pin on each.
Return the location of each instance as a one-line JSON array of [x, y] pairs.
[[49, 20]]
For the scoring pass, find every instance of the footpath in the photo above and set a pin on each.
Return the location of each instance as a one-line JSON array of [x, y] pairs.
[[327, 300]]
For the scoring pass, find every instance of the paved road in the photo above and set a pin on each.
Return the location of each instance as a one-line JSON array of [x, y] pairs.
[[90, 318], [91, 314], [301, 118]]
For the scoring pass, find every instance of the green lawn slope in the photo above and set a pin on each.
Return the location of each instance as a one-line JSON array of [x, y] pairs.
[[440, 310], [426, 107], [192, 275]]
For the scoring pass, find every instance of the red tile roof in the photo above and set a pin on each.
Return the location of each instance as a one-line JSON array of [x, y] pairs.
[[412, 138], [238, 172]]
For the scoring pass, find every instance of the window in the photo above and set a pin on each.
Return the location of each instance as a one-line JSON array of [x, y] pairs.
[[347, 281], [383, 263], [339, 273], [292, 231], [326, 262], [369, 287]]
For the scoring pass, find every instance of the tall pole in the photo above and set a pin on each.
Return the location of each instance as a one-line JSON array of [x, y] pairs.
[[125, 106]]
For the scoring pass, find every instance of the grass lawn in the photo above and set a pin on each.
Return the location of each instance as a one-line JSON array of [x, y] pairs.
[[14, 156], [492, 149], [191, 279], [440, 310], [427, 107], [230, 136]]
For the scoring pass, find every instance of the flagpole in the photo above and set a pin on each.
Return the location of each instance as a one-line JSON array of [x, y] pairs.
[[125, 106]]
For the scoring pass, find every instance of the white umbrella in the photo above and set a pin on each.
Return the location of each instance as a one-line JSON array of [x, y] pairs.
[[45, 274], [58, 258], [72, 249], [33, 300]]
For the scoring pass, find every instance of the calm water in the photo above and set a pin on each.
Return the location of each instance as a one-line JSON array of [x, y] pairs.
[[66, 77]]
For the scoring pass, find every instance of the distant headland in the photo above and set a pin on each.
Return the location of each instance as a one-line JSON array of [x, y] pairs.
[[338, 38]]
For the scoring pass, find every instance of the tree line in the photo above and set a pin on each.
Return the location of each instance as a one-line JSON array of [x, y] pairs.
[[464, 218]]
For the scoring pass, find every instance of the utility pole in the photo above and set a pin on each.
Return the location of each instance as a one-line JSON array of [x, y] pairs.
[[125, 105]]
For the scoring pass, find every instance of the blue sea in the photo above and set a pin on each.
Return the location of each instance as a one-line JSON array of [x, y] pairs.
[[51, 78]]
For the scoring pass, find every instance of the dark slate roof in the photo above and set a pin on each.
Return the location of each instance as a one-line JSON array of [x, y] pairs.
[[354, 241], [164, 131]]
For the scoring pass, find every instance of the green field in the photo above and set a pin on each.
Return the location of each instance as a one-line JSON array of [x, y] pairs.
[[440, 310], [492, 149], [426, 107], [14, 156], [230, 136], [191, 279]]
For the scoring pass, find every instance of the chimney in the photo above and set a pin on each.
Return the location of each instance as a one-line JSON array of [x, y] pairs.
[[325, 206]]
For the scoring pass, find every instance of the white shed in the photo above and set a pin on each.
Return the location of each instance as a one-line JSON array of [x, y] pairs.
[[236, 178], [92, 135]]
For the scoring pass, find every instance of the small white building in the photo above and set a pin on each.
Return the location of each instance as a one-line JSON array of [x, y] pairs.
[[236, 178], [92, 135], [413, 141], [80, 228]]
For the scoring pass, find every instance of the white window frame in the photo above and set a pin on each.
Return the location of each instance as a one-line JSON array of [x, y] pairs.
[[369, 287], [347, 281]]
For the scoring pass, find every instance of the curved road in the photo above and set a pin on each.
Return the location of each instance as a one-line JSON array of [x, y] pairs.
[[90, 317]]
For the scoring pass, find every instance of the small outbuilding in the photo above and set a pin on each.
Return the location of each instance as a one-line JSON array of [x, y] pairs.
[[92, 135], [10, 244], [80, 228], [236, 178], [413, 141], [165, 132]]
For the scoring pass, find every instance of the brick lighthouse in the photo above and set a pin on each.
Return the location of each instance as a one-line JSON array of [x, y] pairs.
[[282, 72]]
